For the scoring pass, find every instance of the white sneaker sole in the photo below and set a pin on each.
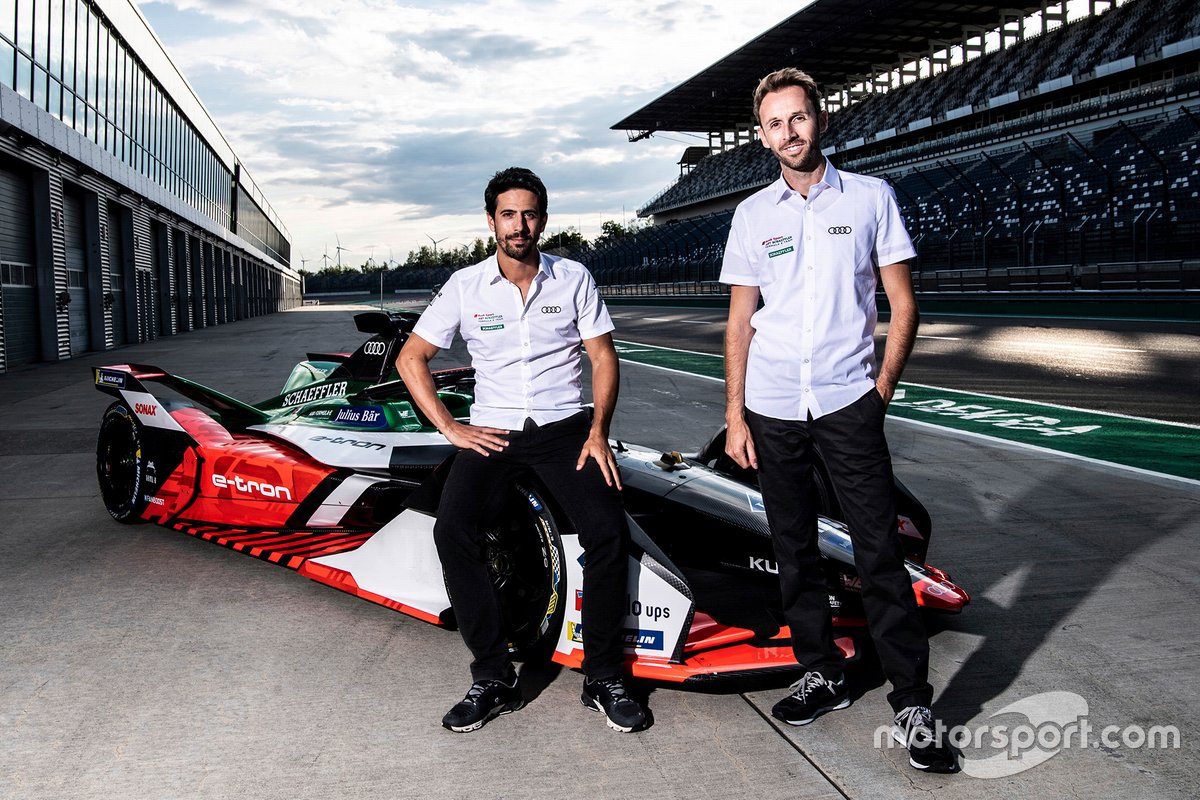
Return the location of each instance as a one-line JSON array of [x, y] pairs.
[[498, 711], [595, 706], [797, 723], [898, 738]]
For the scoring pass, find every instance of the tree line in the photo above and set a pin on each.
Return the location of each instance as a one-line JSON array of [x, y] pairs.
[[568, 241]]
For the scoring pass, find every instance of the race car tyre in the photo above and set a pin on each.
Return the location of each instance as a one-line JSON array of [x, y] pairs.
[[121, 464], [826, 498], [525, 561]]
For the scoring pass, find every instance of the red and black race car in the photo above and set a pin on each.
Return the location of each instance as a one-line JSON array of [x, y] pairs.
[[337, 477]]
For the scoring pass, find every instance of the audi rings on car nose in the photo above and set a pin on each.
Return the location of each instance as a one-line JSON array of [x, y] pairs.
[[374, 348], [840, 230], [551, 309]]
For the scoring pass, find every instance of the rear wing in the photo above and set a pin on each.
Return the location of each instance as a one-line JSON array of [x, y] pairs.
[[372, 362], [129, 382]]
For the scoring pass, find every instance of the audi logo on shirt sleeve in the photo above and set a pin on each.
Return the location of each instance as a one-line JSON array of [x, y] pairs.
[[374, 348], [841, 230], [551, 309]]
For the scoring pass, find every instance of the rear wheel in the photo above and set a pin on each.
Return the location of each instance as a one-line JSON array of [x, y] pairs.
[[823, 494], [525, 562], [121, 464]]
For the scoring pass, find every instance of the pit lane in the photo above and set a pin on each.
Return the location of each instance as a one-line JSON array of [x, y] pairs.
[[137, 662]]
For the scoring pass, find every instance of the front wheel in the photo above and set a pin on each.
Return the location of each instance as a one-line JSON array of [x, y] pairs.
[[525, 562], [121, 464]]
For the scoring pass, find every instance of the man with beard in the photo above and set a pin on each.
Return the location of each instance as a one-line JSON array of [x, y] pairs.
[[523, 315], [800, 373]]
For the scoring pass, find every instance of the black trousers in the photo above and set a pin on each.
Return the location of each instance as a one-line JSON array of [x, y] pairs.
[[594, 510], [860, 465]]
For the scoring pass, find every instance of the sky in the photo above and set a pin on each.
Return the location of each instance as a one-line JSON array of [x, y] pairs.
[[378, 123]]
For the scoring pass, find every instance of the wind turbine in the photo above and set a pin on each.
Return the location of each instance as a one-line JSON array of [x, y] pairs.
[[339, 249], [436, 242]]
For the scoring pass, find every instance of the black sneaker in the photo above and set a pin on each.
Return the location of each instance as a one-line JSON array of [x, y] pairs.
[[811, 697], [913, 727], [484, 701], [609, 697]]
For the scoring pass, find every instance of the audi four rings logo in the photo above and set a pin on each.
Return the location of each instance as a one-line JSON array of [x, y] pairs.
[[374, 348], [840, 230], [551, 309]]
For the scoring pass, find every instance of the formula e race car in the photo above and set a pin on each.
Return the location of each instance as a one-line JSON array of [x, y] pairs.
[[338, 478]]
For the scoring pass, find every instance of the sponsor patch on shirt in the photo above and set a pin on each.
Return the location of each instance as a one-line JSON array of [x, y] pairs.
[[487, 317], [775, 246], [489, 321]]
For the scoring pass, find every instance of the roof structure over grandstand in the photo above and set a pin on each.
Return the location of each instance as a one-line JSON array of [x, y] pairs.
[[1008, 147], [837, 41]]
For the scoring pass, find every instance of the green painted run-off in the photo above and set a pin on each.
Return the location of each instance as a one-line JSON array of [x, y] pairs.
[[1160, 447]]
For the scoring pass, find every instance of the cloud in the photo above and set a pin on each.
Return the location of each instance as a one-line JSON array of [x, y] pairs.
[[380, 121], [483, 48]]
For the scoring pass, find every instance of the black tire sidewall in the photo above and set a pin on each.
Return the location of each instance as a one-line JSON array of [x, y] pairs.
[[554, 576], [123, 506]]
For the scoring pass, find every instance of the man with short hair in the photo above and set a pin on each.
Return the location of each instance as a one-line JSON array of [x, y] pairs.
[[800, 373], [523, 315]]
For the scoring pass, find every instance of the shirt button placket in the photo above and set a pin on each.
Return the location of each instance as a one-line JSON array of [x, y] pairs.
[[526, 369], [807, 340]]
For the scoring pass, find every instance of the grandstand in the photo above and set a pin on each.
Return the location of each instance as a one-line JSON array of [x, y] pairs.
[[1027, 150]]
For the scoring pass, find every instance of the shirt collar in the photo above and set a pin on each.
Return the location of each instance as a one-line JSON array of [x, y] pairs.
[[832, 179], [545, 268]]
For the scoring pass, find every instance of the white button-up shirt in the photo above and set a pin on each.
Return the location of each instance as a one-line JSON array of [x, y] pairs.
[[527, 355], [814, 261]]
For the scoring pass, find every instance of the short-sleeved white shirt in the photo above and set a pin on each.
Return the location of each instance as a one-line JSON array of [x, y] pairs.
[[814, 261], [527, 355]]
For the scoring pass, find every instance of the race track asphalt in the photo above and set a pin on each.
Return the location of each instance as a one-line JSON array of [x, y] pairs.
[[140, 663]]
